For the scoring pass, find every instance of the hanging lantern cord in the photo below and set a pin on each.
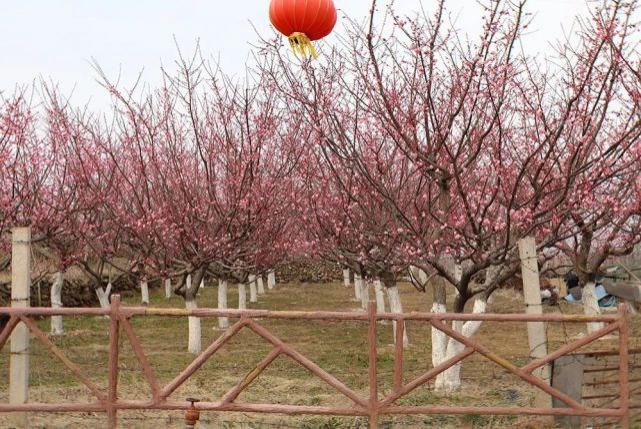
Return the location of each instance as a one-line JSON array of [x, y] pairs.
[[301, 45]]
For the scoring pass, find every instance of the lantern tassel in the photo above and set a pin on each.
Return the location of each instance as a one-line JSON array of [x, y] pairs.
[[301, 45]]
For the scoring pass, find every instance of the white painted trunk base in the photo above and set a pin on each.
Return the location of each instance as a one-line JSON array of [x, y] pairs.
[[242, 297], [357, 287], [167, 288], [450, 379], [261, 286], [271, 280], [223, 322], [144, 291], [380, 296], [194, 344], [364, 294], [253, 293], [395, 306], [56, 302], [439, 338], [346, 281], [591, 306], [102, 297], [202, 283]]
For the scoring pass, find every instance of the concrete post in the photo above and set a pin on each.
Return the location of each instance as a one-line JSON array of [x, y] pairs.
[[19, 360], [535, 330]]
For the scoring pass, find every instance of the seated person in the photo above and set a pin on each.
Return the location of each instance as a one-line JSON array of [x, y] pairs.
[[575, 291]]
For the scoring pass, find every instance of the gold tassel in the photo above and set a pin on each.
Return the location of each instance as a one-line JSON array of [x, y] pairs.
[[301, 45]]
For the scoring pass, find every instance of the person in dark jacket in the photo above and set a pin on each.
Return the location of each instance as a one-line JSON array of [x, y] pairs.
[[572, 283]]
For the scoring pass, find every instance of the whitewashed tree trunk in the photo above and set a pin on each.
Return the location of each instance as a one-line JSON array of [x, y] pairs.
[[395, 305], [242, 297], [194, 344], [108, 291], [144, 291], [364, 293], [439, 305], [380, 296], [271, 279], [439, 338], [56, 302], [253, 293], [223, 322], [346, 281], [357, 286], [202, 283], [102, 297], [167, 288], [591, 306], [450, 379], [261, 286]]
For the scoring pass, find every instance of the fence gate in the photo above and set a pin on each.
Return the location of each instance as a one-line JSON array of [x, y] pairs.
[[373, 405]]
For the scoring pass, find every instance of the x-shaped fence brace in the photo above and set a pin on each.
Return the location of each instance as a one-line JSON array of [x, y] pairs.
[[371, 406]]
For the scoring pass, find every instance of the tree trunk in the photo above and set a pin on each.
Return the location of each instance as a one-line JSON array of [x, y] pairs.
[[261, 286], [167, 288], [56, 302], [253, 293], [357, 287], [439, 305], [102, 297], [194, 328], [193, 345], [591, 305], [223, 322], [380, 296], [364, 293], [450, 379], [202, 283], [346, 281], [395, 305], [144, 291], [271, 279], [242, 297]]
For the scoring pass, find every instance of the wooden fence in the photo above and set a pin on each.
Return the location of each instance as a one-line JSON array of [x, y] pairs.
[[372, 406]]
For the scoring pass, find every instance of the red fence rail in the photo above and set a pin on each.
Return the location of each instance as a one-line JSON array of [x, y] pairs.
[[372, 406]]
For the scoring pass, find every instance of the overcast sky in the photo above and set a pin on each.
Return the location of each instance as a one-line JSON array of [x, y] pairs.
[[56, 39]]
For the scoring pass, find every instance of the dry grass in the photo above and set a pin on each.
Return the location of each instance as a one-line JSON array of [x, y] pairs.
[[339, 348]]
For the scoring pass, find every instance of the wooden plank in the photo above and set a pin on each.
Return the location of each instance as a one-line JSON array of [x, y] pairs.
[[629, 290]]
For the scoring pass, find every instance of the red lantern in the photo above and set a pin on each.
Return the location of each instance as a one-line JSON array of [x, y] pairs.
[[303, 21]]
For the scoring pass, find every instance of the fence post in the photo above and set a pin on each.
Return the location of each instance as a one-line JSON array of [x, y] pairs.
[[20, 287], [624, 387], [373, 375], [568, 378], [535, 330], [114, 332]]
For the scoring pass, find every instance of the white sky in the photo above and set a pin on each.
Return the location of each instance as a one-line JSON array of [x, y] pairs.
[[56, 39]]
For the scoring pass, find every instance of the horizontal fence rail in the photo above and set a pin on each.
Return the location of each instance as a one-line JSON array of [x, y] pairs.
[[371, 406]]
